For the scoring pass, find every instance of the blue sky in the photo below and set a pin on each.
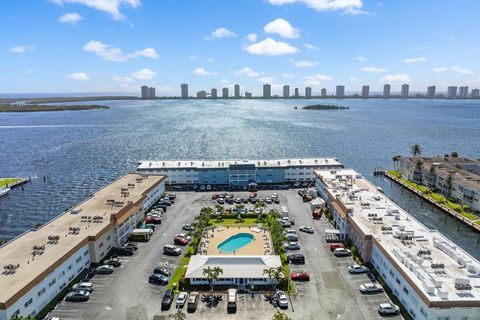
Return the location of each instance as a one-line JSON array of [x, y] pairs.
[[98, 46]]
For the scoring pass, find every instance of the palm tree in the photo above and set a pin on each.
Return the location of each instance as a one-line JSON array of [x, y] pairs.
[[416, 150], [418, 172], [212, 275], [275, 274], [179, 315], [280, 316], [395, 162]]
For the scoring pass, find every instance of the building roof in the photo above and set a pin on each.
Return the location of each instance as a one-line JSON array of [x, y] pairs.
[[218, 164], [232, 266], [93, 217], [415, 250]]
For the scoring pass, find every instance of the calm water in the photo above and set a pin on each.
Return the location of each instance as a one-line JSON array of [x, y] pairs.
[[80, 151]]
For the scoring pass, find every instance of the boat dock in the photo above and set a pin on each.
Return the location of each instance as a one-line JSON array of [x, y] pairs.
[[17, 183]]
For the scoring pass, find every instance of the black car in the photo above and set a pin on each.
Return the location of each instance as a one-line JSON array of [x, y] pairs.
[[130, 245], [162, 271], [158, 278], [167, 299], [89, 275], [296, 259], [113, 262], [166, 202], [163, 207], [125, 252]]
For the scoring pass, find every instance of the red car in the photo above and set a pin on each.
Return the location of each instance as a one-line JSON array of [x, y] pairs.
[[253, 195], [180, 241], [153, 219], [215, 196], [334, 246], [300, 276]]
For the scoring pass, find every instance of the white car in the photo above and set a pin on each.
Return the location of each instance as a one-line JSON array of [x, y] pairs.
[[388, 309], [85, 286], [355, 268], [342, 252], [258, 210], [370, 288], [306, 229], [292, 246], [181, 299], [291, 231], [282, 301], [184, 236], [275, 195]]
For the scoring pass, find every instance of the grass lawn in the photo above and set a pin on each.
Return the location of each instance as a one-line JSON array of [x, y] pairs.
[[5, 181], [177, 275], [395, 173], [233, 222]]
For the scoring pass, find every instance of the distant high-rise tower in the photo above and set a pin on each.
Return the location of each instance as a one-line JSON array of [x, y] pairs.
[[267, 90], [225, 93], [431, 91], [144, 91], [297, 94], [151, 93], [237, 91], [463, 92], [184, 89], [475, 93], [323, 93], [365, 91], [452, 92], [248, 94], [201, 94], [308, 92], [286, 91], [213, 93], [340, 92], [405, 88], [386, 90]]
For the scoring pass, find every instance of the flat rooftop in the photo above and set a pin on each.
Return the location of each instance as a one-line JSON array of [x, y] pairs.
[[217, 164], [433, 263], [91, 218], [261, 244]]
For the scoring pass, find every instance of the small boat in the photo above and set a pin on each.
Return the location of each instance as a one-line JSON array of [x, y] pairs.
[[379, 189], [4, 191]]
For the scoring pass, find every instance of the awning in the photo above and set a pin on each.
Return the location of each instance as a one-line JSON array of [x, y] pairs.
[[332, 231]]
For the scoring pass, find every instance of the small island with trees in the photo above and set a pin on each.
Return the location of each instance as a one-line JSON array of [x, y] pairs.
[[324, 107], [39, 108]]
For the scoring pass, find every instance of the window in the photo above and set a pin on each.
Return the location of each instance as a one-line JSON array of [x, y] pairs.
[[41, 291], [108, 238], [101, 245], [28, 302]]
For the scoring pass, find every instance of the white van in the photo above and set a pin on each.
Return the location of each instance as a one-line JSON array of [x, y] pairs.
[[284, 211], [232, 299]]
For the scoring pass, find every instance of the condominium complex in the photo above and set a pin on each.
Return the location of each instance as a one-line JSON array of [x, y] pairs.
[[202, 94], [463, 92], [323, 92], [147, 93], [386, 90], [340, 91], [431, 276], [431, 91], [475, 93], [43, 261], [224, 92], [297, 93], [405, 89], [286, 91], [213, 93], [308, 92], [184, 90], [451, 92], [236, 90], [453, 177], [267, 90], [365, 91]]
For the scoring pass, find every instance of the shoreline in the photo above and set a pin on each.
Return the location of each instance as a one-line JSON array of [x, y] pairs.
[[43, 108]]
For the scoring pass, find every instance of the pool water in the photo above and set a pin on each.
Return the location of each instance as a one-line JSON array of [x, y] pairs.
[[235, 242]]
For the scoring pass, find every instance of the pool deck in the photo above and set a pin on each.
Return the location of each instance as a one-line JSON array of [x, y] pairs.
[[219, 234]]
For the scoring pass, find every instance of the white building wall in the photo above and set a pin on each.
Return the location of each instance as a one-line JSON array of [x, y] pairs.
[[153, 196], [45, 291]]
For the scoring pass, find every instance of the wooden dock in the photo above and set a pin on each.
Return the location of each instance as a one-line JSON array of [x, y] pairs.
[[471, 223]]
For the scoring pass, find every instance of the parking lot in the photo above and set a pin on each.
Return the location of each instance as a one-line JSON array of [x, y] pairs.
[[331, 293]]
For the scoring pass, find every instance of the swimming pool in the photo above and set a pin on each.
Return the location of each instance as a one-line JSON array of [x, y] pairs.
[[235, 242]]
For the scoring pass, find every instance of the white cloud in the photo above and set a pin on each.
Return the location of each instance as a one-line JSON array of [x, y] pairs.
[[203, 72], [20, 49], [304, 64], [112, 7], [352, 79], [225, 82], [415, 60], [283, 28], [316, 79], [462, 70], [396, 78], [220, 33], [144, 74], [80, 76], [310, 46], [439, 69], [373, 69], [252, 37], [110, 53], [347, 6], [71, 18], [122, 79], [270, 47], [247, 72], [359, 58], [192, 57]]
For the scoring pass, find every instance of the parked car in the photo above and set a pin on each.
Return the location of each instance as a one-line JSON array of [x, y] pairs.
[[89, 275], [296, 184], [158, 278], [124, 252], [188, 227], [220, 200], [229, 200], [296, 259], [282, 301], [83, 286], [342, 252], [267, 200], [130, 245], [148, 226], [291, 245], [155, 219], [355, 268], [290, 231], [180, 241], [388, 309], [170, 250], [258, 210], [215, 196], [244, 200], [167, 299], [237, 200], [181, 299], [104, 269], [227, 211], [192, 301], [371, 287], [232, 299], [202, 187], [114, 262], [334, 246], [166, 202], [162, 271], [300, 276], [77, 296], [276, 200], [306, 229], [291, 237], [253, 195], [235, 211]]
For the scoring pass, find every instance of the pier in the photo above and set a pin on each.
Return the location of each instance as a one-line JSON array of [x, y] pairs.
[[17, 182]]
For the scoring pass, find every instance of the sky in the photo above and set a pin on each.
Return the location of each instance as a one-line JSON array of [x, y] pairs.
[[114, 46]]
